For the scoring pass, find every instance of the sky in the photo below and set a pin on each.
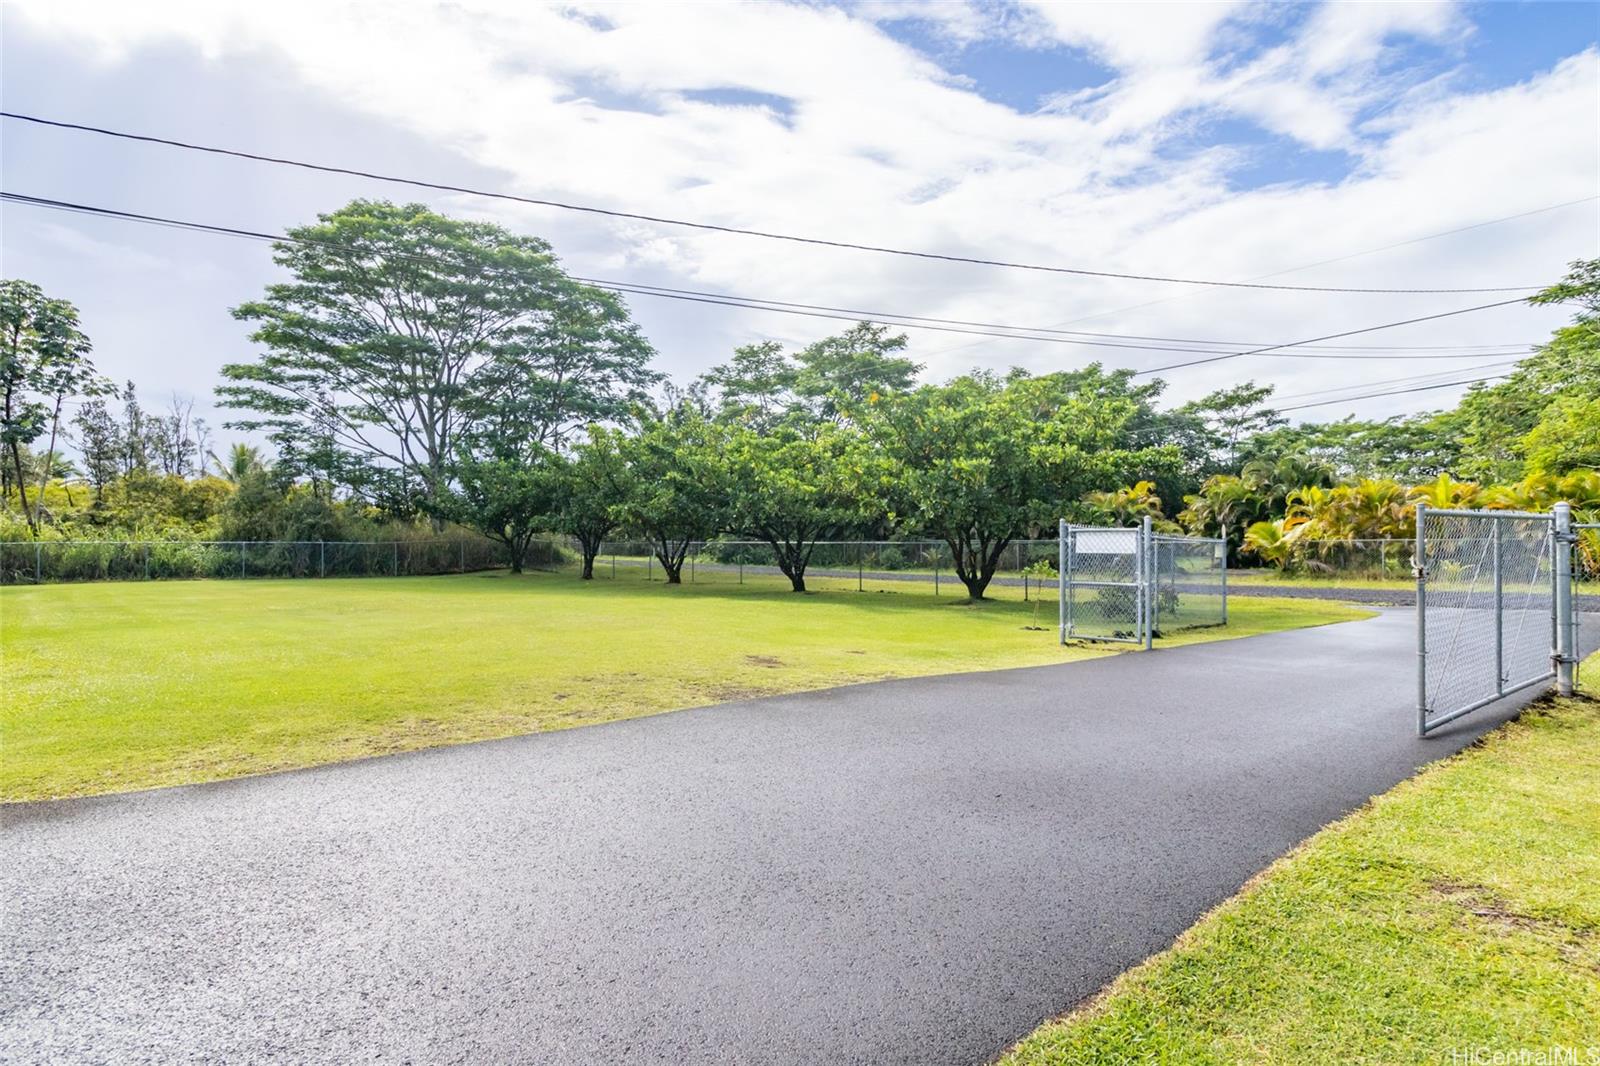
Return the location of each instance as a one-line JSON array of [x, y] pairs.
[[1224, 141]]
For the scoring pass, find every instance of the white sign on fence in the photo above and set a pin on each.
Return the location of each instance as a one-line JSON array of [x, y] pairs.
[[1106, 541]]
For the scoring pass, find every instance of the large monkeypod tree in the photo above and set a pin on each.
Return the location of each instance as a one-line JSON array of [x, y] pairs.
[[403, 331]]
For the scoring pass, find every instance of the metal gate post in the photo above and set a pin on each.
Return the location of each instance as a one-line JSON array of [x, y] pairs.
[[1561, 548], [1061, 577], [322, 558], [38, 564], [1224, 581], [1419, 565], [1148, 593], [1499, 613]]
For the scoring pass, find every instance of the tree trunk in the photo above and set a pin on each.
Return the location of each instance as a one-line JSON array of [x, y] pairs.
[[792, 565], [590, 542], [49, 460], [22, 488], [975, 566], [671, 554]]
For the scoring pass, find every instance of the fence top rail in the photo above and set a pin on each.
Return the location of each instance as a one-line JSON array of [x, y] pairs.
[[1447, 512], [240, 543]]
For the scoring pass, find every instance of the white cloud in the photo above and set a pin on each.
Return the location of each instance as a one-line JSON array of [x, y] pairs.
[[866, 139]]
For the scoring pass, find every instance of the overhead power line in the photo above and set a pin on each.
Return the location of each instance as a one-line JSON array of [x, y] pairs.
[[714, 228], [1410, 378], [717, 299], [1308, 266], [1326, 337], [1393, 392]]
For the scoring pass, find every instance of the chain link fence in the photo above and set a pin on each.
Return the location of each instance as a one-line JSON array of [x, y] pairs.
[[42, 562], [1496, 610], [1024, 571]]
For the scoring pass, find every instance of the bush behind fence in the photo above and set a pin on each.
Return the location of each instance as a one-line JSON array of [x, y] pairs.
[[32, 562], [29, 562]]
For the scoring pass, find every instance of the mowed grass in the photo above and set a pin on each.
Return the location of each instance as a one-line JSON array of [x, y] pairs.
[[121, 686], [1459, 911]]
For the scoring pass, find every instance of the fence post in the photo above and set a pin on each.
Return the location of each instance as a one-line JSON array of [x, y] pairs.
[[322, 558], [1224, 546], [396, 558], [38, 563], [861, 565], [1419, 565], [1499, 611], [1148, 581], [463, 557], [147, 561], [1061, 577], [1561, 547]]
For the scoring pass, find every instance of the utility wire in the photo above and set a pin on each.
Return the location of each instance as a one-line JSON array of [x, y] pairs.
[[713, 228], [1328, 337], [1309, 266], [689, 295], [1393, 392], [1410, 378], [644, 289]]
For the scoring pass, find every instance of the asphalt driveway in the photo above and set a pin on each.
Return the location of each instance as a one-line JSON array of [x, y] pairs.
[[910, 871]]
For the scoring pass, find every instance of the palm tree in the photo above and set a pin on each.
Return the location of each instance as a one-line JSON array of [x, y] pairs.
[[1128, 505], [1446, 492], [1271, 541], [241, 460]]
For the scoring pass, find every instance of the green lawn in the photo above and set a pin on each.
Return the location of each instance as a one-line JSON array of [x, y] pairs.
[[119, 686], [1460, 910]]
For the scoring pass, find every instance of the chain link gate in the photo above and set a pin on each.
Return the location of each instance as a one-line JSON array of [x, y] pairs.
[[1586, 566], [1126, 584], [1495, 609], [1191, 582]]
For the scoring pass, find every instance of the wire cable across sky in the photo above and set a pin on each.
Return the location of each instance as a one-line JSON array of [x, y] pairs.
[[1210, 354], [740, 231]]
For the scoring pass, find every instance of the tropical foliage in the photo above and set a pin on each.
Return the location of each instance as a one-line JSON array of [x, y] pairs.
[[417, 370]]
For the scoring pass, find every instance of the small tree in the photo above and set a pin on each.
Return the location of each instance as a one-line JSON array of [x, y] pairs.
[[677, 492], [44, 358], [594, 488], [100, 443], [797, 485], [507, 499]]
